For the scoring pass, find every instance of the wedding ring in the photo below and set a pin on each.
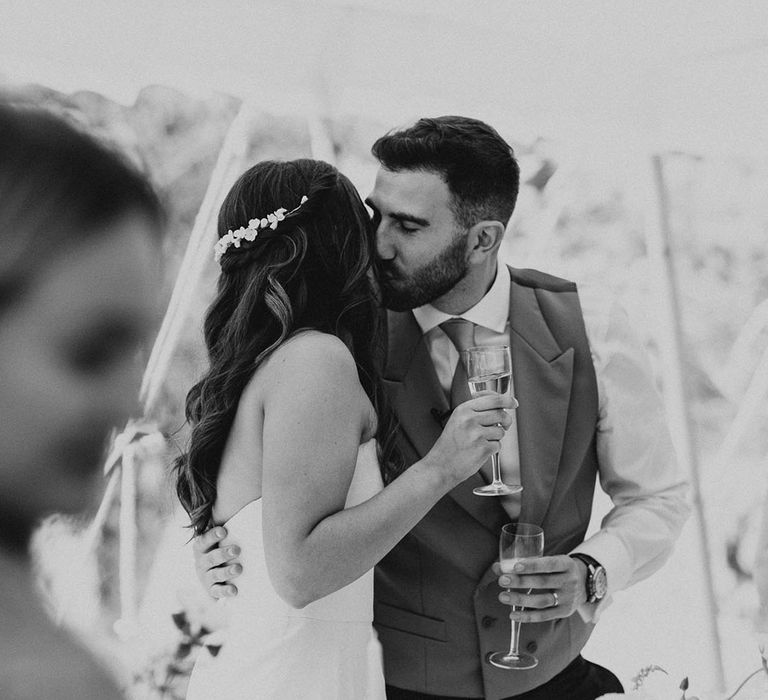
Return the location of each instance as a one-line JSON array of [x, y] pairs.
[[555, 600]]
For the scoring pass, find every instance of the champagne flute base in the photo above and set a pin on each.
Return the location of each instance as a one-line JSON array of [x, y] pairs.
[[497, 490], [513, 662]]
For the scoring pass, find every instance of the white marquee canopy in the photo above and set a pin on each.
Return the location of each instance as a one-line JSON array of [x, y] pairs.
[[684, 75]]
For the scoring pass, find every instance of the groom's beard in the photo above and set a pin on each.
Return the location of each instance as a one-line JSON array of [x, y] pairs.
[[431, 281]]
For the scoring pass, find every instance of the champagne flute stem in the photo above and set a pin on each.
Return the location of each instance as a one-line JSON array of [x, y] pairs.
[[496, 470], [514, 640]]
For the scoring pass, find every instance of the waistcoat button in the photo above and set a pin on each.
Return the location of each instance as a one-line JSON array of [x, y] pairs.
[[488, 621], [531, 646]]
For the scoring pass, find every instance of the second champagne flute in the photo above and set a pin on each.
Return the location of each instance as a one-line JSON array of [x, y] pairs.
[[489, 368], [517, 541]]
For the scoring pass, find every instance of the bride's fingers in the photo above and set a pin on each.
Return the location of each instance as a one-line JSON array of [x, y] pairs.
[[488, 400], [220, 555], [224, 574], [497, 417], [225, 590], [493, 433], [210, 538]]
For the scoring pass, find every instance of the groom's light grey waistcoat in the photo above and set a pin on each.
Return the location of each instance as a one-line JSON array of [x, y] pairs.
[[436, 598]]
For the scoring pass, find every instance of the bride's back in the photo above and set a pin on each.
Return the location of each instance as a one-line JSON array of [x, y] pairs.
[[240, 474]]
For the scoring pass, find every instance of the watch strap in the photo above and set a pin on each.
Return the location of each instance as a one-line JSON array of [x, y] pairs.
[[591, 562], [592, 566]]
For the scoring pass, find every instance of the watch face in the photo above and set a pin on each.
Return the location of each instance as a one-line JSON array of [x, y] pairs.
[[599, 583]]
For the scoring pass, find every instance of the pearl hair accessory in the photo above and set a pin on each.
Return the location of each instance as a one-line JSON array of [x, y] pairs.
[[249, 233]]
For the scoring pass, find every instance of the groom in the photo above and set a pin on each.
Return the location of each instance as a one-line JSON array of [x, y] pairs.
[[444, 192]]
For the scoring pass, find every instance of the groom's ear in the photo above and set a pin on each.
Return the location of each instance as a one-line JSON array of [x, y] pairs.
[[484, 239]]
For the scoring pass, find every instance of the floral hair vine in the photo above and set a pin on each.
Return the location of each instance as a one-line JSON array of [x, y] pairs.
[[250, 232]]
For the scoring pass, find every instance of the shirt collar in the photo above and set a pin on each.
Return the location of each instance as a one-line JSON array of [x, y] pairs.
[[492, 311]]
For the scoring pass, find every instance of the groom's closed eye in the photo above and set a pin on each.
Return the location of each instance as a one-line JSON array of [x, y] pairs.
[[408, 222], [406, 225]]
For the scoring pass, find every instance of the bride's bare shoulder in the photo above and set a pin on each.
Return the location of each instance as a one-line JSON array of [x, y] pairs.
[[312, 352], [314, 344], [319, 368]]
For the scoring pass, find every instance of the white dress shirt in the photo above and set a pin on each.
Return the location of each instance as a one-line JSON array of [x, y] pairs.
[[637, 464]]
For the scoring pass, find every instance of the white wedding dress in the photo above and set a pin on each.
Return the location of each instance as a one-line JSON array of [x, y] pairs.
[[271, 651]]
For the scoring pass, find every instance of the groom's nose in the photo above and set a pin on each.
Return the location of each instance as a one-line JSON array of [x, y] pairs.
[[384, 246]]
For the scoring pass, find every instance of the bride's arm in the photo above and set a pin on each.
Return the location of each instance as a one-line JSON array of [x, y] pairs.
[[315, 414]]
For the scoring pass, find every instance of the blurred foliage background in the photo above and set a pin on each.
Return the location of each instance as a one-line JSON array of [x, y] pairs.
[[577, 216]]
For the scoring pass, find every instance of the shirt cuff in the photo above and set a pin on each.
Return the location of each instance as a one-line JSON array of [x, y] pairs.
[[609, 551]]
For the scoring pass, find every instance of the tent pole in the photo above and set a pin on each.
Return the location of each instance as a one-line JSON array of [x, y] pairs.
[[659, 248], [198, 253], [93, 534], [128, 544]]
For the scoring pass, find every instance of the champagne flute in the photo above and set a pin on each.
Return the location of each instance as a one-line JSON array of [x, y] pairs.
[[517, 541], [489, 368]]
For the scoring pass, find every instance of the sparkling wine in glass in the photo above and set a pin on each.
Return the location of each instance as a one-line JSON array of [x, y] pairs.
[[517, 541], [489, 368]]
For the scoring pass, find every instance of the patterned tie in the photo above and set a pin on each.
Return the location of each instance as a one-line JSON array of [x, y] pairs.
[[462, 335]]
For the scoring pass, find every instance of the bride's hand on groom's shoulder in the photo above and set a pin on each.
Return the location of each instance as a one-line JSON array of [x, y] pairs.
[[472, 434], [216, 566]]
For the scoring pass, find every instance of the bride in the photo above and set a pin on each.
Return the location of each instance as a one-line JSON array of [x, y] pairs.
[[292, 443]]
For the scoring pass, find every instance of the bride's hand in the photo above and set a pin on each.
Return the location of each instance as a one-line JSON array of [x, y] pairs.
[[216, 566], [472, 434]]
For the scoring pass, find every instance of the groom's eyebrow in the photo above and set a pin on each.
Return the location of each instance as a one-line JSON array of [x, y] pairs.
[[399, 215], [404, 216]]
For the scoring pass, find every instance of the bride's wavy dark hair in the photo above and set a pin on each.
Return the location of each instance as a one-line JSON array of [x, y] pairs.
[[311, 272]]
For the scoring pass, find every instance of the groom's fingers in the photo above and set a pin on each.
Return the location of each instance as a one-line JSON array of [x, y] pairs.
[[539, 601], [560, 575], [544, 565], [542, 615], [533, 581], [551, 572]]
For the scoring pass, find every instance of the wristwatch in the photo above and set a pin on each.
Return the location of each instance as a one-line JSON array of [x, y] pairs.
[[597, 578]]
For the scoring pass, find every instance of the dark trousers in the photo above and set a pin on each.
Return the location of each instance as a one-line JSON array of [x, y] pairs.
[[579, 680]]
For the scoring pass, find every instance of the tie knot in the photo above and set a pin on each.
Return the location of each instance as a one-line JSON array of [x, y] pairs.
[[460, 331]]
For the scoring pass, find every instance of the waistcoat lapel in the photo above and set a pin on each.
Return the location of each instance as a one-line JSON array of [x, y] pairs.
[[542, 375], [415, 393]]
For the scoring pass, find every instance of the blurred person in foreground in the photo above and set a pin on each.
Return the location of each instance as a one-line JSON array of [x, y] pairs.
[[588, 409], [292, 442], [79, 233]]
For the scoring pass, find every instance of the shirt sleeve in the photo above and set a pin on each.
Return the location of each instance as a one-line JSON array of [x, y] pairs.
[[638, 468]]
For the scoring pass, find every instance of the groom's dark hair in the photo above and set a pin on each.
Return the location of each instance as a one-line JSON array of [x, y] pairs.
[[476, 163]]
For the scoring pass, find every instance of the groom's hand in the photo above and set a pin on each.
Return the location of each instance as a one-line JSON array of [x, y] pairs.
[[216, 566], [557, 585]]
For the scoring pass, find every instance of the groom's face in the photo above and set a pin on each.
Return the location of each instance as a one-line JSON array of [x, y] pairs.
[[421, 250]]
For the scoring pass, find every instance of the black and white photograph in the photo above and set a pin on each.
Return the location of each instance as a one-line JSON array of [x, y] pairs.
[[364, 350]]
